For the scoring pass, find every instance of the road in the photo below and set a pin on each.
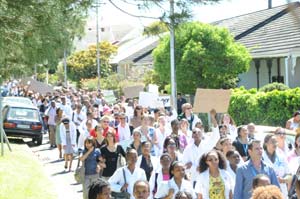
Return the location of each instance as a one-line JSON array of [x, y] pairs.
[[63, 181]]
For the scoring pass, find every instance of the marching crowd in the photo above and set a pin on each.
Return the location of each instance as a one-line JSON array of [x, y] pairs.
[[130, 151]]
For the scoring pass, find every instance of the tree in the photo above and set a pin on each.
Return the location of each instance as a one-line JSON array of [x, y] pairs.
[[205, 56], [82, 64], [156, 28], [35, 32]]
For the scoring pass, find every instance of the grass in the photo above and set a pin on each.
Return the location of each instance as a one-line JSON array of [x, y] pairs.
[[22, 176]]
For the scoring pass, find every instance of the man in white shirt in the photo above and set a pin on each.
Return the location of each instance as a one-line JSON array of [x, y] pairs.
[[66, 108], [77, 117], [51, 113], [194, 151], [124, 178], [123, 128]]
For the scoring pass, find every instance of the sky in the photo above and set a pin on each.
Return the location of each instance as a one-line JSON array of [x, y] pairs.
[[204, 13]]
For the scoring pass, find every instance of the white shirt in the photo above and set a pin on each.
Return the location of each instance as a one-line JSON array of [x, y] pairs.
[[77, 118], [202, 185], [67, 110], [117, 180], [124, 132], [160, 137], [51, 113], [193, 153], [281, 168], [164, 186]]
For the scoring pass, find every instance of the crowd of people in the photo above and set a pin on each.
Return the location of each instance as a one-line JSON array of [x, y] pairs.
[[130, 151]]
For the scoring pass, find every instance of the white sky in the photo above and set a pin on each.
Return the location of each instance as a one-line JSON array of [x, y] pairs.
[[205, 13]]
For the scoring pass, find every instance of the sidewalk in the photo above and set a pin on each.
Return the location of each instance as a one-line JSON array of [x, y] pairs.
[[64, 183]]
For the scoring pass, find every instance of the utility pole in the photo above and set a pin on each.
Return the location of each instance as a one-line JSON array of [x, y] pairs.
[[172, 56], [65, 68], [97, 45]]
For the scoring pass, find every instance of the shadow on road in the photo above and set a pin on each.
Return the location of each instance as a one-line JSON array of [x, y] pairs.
[[60, 173]]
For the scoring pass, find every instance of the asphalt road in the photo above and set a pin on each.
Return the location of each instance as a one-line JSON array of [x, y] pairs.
[[64, 184]]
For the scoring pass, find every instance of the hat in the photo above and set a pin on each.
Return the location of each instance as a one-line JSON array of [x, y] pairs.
[[65, 121], [106, 109]]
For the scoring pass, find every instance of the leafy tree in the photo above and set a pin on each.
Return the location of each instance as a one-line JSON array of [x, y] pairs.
[[205, 56], [37, 32], [82, 64], [156, 28]]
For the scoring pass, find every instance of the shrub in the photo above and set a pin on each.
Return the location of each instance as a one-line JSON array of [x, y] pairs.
[[271, 108], [274, 86]]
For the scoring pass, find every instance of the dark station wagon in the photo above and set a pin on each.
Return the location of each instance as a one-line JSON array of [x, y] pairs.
[[24, 121]]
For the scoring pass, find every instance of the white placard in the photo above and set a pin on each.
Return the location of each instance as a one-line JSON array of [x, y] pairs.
[[147, 99], [165, 99], [152, 88]]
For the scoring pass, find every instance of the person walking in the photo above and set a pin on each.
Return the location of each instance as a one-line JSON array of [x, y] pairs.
[[68, 140], [254, 166]]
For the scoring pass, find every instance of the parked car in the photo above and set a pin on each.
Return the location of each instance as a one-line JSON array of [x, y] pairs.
[[25, 121], [11, 100]]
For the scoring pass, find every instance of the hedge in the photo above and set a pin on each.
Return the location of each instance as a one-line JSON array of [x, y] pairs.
[[272, 108]]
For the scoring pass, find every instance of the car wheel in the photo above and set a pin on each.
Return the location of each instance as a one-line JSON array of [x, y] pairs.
[[39, 140]]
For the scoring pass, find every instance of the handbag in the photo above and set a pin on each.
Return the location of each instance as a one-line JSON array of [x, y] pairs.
[[121, 161], [122, 194], [79, 172]]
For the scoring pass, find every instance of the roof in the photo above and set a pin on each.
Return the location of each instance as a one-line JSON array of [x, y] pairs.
[[136, 49], [267, 33]]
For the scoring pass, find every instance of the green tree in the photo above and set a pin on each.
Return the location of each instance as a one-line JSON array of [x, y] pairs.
[[82, 64], [35, 32], [156, 28], [205, 56]]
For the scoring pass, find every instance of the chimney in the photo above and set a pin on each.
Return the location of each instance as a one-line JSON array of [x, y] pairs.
[[269, 4]]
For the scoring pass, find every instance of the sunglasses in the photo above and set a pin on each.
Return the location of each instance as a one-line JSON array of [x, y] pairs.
[[280, 133], [105, 121]]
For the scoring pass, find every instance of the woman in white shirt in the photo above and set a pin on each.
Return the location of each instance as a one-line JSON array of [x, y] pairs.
[[168, 189], [213, 181]]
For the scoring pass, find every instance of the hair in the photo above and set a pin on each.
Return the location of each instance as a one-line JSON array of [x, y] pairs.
[[230, 153], [97, 188], [145, 142], [239, 130], [185, 106], [296, 113], [136, 130], [135, 112], [296, 137], [256, 180], [266, 140], [130, 150], [267, 192], [165, 155], [105, 117], [89, 139], [166, 143], [250, 144], [141, 181], [231, 120], [172, 166], [111, 133], [202, 163], [173, 122], [179, 194], [223, 140]]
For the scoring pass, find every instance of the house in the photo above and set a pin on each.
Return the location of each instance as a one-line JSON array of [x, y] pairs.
[[273, 38], [271, 35]]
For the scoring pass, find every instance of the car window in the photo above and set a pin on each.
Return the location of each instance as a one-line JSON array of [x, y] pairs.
[[23, 114]]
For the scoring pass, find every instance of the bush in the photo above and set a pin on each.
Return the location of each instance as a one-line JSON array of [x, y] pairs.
[[271, 108], [274, 86]]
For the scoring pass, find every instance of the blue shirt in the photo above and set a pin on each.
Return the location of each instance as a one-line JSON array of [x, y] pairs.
[[244, 178], [90, 163]]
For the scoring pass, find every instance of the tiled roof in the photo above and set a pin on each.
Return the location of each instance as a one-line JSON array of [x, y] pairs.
[[267, 33]]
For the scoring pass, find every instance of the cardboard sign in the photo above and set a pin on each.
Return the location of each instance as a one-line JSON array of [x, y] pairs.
[[207, 99], [133, 91], [109, 96], [165, 99], [147, 99]]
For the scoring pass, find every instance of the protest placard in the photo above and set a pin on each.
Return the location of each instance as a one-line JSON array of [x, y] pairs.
[[133, 91], [147, 99], [207, 99]]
